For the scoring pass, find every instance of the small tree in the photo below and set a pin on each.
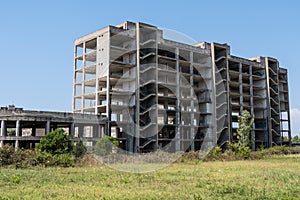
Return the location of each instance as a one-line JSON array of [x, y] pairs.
[[79, 149], [296, 138], [56, 142], [245, 122], [105, 145]]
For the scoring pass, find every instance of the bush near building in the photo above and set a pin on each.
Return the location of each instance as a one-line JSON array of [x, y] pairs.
[[56, 142], [55, 149], [105, 145]]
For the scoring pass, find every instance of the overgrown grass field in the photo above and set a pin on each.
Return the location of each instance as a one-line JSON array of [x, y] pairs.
[[274, 178]]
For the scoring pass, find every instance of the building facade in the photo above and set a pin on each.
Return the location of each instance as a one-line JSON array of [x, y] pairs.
[[155, 93], [25, 128]]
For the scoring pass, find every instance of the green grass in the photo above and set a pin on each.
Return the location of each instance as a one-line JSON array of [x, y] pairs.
[[274, 178]]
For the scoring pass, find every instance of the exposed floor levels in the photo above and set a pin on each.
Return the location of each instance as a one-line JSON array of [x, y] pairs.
[[25, 128], [161, 94]]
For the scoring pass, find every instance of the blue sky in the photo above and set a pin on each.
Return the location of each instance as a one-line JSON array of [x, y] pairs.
[[37, 38]]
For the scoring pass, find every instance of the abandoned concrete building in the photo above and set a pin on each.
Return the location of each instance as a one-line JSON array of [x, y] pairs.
[[24, 128], [155, 93], [150, 93]]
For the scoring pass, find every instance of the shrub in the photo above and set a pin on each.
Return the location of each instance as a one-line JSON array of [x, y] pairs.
[[56, 142], [21, 158], [244, 152], [42, 158], [256, 155], [294, 150], [296, 138], [24, 158], [78, 148], [277, 150], [63, 160], [88, 160], [189, 156], [105, 145], [6, 155], [215, 153], [240, 150], [47, 160]]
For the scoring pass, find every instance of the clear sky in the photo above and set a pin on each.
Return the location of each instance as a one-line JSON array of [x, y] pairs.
[[37, 39]]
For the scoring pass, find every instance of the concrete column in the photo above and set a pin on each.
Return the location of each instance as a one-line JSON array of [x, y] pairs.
[[83, 75], [72, 130], [192, 94], [48, 127], [3, 129], [17, 144], [54, 127], [214, 103], [241, 87], [17, 133], [17, 128], [2, 132], [80, 130], [178, 111], [252, 109], [102, 131], [98, 131], [33, 133], [137, 92]]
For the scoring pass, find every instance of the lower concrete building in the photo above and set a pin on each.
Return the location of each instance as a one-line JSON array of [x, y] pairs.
[[158, 93], [24, 128]]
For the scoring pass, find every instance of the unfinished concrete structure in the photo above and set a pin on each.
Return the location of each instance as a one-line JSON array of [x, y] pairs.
[[24, 128], [160, 94]]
